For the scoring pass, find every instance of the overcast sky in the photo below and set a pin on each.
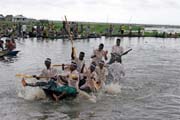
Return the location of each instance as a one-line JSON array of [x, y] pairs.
[[120, 11]]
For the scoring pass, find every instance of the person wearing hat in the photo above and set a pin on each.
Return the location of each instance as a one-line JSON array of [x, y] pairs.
[[79, 61], [91, 78], [101, 72], [47, 73], [71, 77], [99, 53], [59, 91], [80, 64]]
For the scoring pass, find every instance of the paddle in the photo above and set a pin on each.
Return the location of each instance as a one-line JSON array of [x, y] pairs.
[[28, 76], [69, 32], [70, 36], [126, 52], [114, 57], [59, 65]]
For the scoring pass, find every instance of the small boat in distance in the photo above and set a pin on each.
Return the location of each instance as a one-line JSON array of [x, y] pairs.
[[9, 53]]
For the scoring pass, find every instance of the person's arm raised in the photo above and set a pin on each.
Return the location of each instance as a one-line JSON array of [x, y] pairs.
[[105, 55]]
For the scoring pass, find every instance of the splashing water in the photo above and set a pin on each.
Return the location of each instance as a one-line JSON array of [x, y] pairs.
[[113, 88], [31, 93], [116, 70]]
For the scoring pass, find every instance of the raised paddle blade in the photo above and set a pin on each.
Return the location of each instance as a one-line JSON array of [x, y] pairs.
[[115, 54], [127, 51], [68, 30]]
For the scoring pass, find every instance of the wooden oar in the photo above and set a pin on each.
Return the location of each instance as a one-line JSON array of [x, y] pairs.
[[68, 30], [59, 65], [70, 35], [28, 76], [126, 52]]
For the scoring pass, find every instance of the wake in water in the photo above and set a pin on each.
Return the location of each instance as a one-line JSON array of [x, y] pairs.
[[117, 72], [31, 93], [113, 88]]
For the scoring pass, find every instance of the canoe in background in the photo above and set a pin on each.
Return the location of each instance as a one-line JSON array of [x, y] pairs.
[[8, 53]]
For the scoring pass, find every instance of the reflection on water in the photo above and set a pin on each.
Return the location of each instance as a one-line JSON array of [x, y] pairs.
[[150, 89]]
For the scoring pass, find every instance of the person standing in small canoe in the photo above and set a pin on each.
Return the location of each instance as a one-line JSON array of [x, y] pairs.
[[98, 54], [47, 73], [102, 73], [117, 50]]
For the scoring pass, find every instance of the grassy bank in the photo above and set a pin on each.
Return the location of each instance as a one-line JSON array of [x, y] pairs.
[[97, 28]]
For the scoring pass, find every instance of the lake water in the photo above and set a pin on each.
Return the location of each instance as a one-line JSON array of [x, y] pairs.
[[150, 89]]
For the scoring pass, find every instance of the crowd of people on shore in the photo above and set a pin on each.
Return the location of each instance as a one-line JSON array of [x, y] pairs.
[[44, 30], [77, 76]]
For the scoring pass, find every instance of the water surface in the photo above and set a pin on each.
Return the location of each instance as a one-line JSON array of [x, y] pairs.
[[150, 89]]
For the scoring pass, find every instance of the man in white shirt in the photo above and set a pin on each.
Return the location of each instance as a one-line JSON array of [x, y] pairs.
[[47, 73], [98, 54], [79, 61], [116, 53], [102, 73], [91, 78]]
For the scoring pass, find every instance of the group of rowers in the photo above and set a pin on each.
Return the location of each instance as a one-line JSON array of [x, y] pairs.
[[77, 76], [8, 46]]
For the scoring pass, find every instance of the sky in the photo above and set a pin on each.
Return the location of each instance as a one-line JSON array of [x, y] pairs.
[[109, 11]]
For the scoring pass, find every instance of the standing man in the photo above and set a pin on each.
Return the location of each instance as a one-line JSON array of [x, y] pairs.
[[98, 54], [116, 53]]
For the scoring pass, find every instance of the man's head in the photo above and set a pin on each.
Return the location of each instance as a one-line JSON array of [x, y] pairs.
[[47, 63], [73, 66], [81, 55], [101, 64], [93, 66], [101, 46], [118, 42]]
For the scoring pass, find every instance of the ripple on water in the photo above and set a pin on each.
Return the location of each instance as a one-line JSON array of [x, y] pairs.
[[149, 91]]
